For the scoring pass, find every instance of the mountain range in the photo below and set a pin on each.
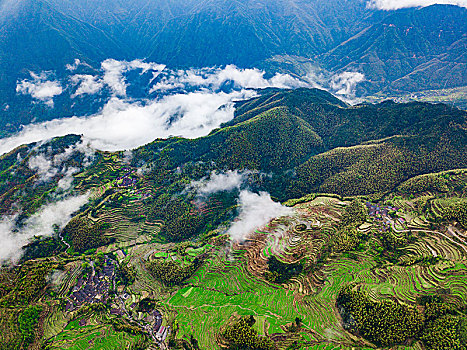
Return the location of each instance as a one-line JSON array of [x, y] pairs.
[[233, 174], [406, 50], [305, 140]]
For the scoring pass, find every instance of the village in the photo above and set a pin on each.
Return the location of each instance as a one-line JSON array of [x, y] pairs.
[[98, 284], [385, 216]]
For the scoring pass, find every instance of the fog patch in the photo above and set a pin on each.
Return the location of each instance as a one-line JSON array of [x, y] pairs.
[[127, 125], [113, 73], [87, 84], [217, 78], [398, 4], [342, 84], [127, 156], [184, 103], [47, 165], [74, 66], [255, 211], [345, 83], [43, 223], [56, 277], [65, 183], [40, 88], [43, 167], [218, 182]]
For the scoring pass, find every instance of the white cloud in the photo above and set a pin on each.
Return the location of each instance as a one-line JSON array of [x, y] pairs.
[[43, 167], [346, 82], [124, 125], [57, 277], [79, 146], [65, 183], [145, 66], [112, 76], [220, 182], [215, 78], [72, 67], [87, 84], [188, 103], [40, 88], [256, 211], [40, 224], [67, 180], [48, 167], [127, 156], [398, 4], [113, 73]]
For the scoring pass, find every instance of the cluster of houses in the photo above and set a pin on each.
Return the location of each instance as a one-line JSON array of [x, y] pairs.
[[94, 288], [152, 323], [154, 326], [126, 180], [129, 180], [380, 215], [376, 210]]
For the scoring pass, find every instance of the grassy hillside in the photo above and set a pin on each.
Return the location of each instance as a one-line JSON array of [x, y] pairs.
[[337, 273]]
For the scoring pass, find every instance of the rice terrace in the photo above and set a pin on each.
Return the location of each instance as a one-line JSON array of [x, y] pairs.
[[149, 263]]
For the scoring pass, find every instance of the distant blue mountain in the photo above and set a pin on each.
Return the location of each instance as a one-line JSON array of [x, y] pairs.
[[405, 50]]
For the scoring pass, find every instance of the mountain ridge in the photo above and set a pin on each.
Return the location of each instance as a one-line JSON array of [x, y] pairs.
[[326, 39]]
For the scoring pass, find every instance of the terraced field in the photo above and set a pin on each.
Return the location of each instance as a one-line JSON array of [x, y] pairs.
[[232, 282], [402, 249], [76, 337]]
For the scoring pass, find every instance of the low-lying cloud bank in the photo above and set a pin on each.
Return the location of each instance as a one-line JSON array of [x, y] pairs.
[[114, 70], [186, 103], [256, 211], [344, 84], [217, 78], [123, 125], [399, 4], [218, 182], [86, 84], [43, 223], [47, 165]]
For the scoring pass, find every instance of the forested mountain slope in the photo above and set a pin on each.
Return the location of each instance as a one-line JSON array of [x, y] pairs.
[[181, 226], [211, 32], [332, 147], [408, 50], [397, 52], [309, 141]]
